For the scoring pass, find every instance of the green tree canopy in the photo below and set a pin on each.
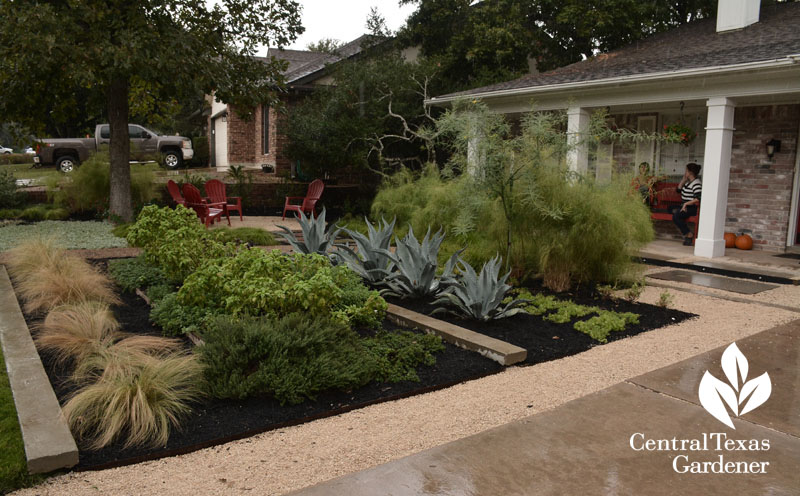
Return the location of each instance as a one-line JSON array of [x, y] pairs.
[[48, 48], [480, 43]]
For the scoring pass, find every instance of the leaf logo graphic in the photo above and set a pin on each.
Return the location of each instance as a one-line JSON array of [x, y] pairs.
[[715, 395]]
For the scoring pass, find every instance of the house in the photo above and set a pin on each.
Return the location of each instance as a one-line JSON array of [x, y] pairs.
[[261, 140], [734, 79]]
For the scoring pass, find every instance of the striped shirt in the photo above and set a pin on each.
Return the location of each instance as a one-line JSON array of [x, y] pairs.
[[691, 191]]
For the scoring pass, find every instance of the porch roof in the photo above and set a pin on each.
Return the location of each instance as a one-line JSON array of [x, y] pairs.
[[696, 45]]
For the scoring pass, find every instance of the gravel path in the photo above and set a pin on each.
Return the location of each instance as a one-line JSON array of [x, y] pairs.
[[280, 461]]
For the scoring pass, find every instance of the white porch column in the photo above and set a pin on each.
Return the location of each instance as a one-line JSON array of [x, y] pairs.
[[578, 153], [716, 176]]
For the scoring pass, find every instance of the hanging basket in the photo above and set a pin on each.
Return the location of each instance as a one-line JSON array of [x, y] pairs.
[[679, 133]]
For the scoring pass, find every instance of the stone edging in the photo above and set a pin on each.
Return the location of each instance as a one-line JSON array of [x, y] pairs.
[[499, 351], [49, 445]]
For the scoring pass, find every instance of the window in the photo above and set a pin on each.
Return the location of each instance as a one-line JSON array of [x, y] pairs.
[[265, 130], [135, 132]]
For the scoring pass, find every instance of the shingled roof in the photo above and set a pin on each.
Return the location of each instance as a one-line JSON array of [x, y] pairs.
[[691, 46], [305, 66]]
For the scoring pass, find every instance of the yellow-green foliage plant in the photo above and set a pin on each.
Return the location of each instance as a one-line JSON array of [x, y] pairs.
[[139, 397], [77, 331]]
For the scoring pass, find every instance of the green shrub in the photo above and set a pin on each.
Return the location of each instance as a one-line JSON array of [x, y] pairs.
[[292, 358], [10, 213], [174, 318], [157, 292], [174, 240], [15, 158], [600, 326], [34, 214], [398, 353], [87, 188], [252, 235], [135, 273], [201, 151], [9, 195], [273, 283], [57, 214]]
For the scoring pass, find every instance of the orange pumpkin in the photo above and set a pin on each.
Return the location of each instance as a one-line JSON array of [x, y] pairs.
[[730, 240], [744, 242]]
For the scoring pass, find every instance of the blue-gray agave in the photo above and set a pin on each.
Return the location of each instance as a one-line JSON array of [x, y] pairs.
[[414, 264], [316, 239], [479, 296], [372, 260]]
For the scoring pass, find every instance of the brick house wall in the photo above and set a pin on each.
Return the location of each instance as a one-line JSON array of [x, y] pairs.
[[245, 136], [760, 191], [241, 137]]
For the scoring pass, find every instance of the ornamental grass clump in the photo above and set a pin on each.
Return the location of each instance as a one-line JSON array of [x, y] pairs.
[[138, 397], [62, 280], [30, 256], [76, 332]]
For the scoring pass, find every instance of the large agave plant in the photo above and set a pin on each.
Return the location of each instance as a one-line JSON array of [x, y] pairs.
[[316, 239], [479, 296], [414, 264], [372, 261]]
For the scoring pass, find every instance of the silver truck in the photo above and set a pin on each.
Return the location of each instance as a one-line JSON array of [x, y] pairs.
[[68, 153]]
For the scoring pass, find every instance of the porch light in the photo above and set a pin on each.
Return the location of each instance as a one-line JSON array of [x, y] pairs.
[[773, 147]]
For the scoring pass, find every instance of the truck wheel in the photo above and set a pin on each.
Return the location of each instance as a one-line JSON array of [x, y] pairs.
[[66, 163], [173, 159]]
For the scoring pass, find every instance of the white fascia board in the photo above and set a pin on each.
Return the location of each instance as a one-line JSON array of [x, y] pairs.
[[655, 77]]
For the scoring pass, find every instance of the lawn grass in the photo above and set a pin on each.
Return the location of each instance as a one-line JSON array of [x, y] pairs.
[[68, 234], [13, 465], [40, 175]]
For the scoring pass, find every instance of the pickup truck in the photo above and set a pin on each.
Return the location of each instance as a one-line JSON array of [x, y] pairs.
[[68, 153]]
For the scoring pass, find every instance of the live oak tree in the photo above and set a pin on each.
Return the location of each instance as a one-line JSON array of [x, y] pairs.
[[56, 54]]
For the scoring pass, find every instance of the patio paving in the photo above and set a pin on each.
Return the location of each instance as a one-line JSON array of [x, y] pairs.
[[717, 282], [754, 262], [596, 444]]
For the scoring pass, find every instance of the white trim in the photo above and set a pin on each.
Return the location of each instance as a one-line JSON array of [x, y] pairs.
[[789, 60], [793, 213]]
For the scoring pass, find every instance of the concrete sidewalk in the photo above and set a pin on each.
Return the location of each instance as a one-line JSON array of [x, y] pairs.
[[600, 444]]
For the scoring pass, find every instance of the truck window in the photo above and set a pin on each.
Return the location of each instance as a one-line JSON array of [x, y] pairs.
[[135, 132], [105, 132]]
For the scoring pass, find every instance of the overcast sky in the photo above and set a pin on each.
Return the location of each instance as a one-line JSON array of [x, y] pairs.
[[345, 20]]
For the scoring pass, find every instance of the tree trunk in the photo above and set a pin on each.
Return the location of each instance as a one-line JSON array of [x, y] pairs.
[[120, 148]]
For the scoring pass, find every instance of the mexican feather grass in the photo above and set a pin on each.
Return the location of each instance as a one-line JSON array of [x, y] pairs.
[[48, 277], [137, 396]]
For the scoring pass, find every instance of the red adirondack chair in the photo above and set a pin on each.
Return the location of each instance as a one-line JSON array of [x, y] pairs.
[[309, 201], [175, 192], [206, 211], [215, 189]]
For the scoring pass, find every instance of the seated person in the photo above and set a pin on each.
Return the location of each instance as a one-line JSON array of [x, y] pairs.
[[689, 189]]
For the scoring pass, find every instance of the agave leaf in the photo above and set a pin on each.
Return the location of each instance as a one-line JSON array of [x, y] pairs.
[[316, 238]]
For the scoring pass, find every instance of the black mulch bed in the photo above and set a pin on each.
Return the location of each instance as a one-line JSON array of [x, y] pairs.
[[220, 421], [547, 340]]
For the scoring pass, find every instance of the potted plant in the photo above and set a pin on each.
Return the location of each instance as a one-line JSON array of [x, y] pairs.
[[679, 133]]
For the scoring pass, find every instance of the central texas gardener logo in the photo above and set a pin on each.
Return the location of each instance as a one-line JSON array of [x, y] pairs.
[[739, 397]]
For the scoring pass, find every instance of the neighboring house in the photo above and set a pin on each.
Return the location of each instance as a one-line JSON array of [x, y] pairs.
[[262, 140], [735, 80]]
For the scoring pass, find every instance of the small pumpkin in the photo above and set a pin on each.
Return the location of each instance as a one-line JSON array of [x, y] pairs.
[[744, 242], [730, 240]]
